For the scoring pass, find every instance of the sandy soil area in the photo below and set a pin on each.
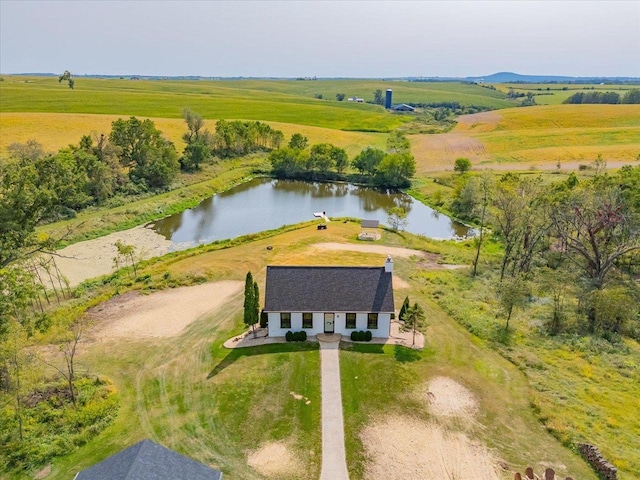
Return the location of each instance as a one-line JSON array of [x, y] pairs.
[[405, 447], [274, 459], [161, 314], [447, 398], [93, 258]]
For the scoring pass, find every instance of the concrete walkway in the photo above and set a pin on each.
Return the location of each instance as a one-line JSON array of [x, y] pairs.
[[334, 461]]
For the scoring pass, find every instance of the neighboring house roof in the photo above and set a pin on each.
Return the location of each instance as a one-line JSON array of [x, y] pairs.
[[147, 460], [328, 289]]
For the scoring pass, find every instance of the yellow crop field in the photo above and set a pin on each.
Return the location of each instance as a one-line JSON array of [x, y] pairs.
[[536, 136], [57, 130]]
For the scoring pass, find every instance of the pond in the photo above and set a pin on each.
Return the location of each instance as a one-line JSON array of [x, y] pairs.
[[264, 204]]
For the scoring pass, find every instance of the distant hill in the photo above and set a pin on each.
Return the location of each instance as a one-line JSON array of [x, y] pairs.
[[510, 77]]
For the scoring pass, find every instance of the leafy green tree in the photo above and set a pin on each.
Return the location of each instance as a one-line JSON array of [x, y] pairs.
[[597, 228], [17, 361], [276, 138], [462, 165], [298, 141], [198, 142], [321, 157], [486, 185], [340, 96], [512, 294], [518, 222], [288, 162], [378, 99], [68, 78], [151, 159], [612, 308], [397, 218], [367, 161], [340, 158], [632, 96], [126, 255], [25, 200], [414, 319], [395, 170]]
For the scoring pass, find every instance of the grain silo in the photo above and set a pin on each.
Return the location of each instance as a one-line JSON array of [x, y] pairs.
[[387, 100]]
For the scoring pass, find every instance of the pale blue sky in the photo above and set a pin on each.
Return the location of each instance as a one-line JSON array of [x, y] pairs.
[[321, 38]]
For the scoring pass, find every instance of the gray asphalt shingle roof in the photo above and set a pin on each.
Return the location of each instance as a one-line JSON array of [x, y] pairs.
[[147, 460], [328, 289]]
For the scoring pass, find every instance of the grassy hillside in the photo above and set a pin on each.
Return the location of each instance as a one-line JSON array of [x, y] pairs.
[[536, 135], [212, 100], [189, 393], [286, 101], [403, 92]]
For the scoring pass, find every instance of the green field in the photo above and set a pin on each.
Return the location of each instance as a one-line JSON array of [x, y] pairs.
[[266, 100], [556, 93]]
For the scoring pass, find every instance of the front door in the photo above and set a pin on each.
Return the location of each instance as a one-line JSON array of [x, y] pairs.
[[328, 323]]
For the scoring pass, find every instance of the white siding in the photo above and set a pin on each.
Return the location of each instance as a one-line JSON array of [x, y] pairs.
[[383, 330]]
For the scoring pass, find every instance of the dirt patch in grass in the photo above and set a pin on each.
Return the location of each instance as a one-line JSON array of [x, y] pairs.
[[274, 459], [93, 258], [447, 398], [161, 314], [404, 447]]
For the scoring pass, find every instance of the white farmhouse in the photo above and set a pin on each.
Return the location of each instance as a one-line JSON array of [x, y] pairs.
[[329, 299]]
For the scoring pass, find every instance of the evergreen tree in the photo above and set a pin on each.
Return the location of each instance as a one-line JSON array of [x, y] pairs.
[[255, 311], [403, 309], [249, 300]]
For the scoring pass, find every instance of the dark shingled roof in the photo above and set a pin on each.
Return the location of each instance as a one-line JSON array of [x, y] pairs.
[[328, 289], [147, 460], [370, 223]]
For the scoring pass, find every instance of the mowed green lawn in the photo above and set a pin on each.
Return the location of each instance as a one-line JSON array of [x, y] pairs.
[[217, 405]]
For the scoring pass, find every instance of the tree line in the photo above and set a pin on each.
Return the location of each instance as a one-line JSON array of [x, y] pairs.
[[631, 96], [392, 168], [577, 242]]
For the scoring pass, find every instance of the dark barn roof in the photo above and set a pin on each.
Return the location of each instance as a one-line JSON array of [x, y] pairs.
[[147, 460], [328, 289]]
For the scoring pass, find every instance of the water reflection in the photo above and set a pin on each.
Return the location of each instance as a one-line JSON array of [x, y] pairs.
[[264, 204]]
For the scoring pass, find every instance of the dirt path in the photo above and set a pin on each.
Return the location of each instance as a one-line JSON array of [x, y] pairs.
[[161, 314]]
